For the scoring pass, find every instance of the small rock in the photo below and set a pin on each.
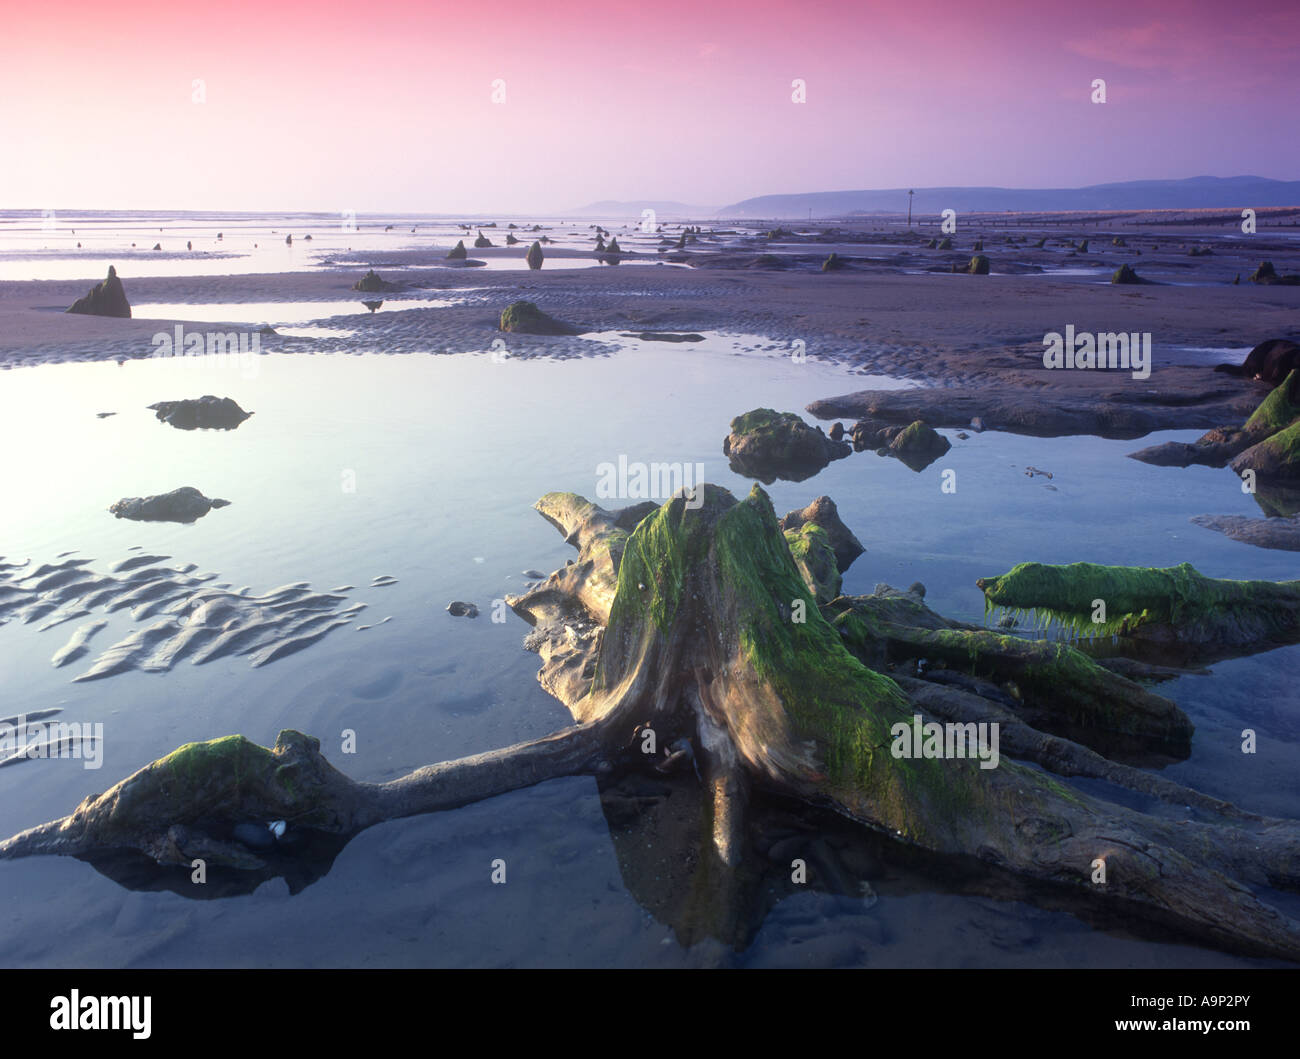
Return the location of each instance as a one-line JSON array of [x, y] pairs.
[[458, 609]]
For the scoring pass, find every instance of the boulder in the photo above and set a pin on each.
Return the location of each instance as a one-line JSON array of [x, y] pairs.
[[206, 413], [458, 252], [104, 299], [185, 504], [979, 265], [525, 318], [534, 256], [767, 445], [482, 242], [1125, 274]]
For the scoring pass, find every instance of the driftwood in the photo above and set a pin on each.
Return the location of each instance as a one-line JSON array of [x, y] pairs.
[[690, 628]]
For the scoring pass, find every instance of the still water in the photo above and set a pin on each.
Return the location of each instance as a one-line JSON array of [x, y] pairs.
[[424, 468]]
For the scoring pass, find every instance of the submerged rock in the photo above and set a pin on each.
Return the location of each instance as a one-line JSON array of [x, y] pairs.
[[104, 299], [185, 504], [767, 445], [525, 318], [205, 413], [1279, 534], [665, 336]]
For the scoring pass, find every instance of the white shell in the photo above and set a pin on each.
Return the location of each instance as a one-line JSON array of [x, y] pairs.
[[277, 828]]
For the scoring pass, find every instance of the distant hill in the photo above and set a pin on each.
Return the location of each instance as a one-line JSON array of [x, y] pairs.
[[1193, 193], [663, 210]]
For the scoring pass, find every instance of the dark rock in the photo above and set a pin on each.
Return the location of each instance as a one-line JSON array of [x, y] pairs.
[[205, 413], [105, 299], [837, 431], [945, 243], [1125, 274], [918, 445], [767, 445], [185, 504], [371, 283], [525, 318], [458, 252], [1272, 361], [511, 240], [534, 256], [979, 265], [1268, 276], [823, 512], [833, 263], [458, 609], [482, 242]]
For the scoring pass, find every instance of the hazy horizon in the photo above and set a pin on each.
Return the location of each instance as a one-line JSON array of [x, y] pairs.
[[323, 109]]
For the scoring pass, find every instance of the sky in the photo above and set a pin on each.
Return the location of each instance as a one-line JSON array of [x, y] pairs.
[[412, 105]]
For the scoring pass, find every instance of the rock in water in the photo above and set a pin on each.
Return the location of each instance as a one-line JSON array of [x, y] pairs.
[[833, 263], [185, 504], [207, 413], [918, 445], [482, 242], [105, 299], [526, 319], [458, 252], [371, 282], [534, 256], [979, 265], [458, 609], [767, 445], [1125, 274]]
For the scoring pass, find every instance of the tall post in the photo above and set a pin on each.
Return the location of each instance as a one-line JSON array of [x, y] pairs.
[[909, 209]]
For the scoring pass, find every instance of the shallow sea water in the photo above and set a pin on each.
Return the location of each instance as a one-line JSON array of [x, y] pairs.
[[425, 468]]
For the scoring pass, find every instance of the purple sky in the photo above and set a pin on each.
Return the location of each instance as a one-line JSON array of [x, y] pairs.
[[331, 106]]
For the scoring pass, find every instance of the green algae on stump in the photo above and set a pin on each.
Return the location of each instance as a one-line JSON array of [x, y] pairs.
[[525, 318], [1173, 604]]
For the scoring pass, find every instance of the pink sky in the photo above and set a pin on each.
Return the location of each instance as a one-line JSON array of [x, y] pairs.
[[333, 106]]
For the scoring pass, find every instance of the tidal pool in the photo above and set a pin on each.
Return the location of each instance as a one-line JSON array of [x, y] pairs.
[[424, 468]]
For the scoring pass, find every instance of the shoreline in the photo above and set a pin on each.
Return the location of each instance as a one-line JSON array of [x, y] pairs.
[[979, 335]]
